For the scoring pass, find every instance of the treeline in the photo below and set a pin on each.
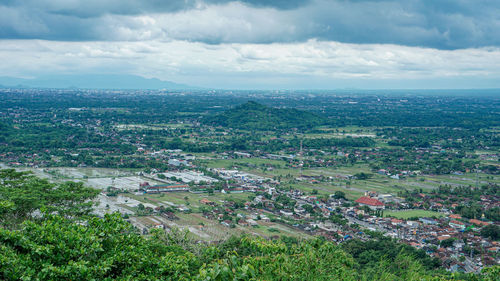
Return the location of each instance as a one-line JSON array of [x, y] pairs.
[[461, 139], [39, 137], [251, 143], [410, 111]]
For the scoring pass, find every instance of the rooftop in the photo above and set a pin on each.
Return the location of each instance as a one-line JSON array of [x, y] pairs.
[[369, 201]]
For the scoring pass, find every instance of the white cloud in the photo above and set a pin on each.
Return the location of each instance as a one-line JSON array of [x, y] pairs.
[[212, 65]]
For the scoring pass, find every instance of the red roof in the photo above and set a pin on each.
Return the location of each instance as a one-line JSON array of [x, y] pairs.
[[205, 201], [478, 222], [369, 201]]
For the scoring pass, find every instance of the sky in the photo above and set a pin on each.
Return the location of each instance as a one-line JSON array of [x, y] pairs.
[[258, 44]]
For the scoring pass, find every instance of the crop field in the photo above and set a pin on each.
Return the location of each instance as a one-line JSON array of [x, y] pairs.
[[211, 230], [83, 173], [127, 183], [192, 200]]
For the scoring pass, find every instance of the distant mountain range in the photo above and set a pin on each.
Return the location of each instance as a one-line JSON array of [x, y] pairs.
[[93, 81], [255, 116]]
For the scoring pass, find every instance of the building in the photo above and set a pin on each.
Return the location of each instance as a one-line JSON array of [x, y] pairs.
[[372, 203], [207, 202], [177, 163], [457, 224], [478, 222], [166, 188]]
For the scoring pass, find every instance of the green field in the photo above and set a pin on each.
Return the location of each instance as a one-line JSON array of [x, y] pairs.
[[412, 214]]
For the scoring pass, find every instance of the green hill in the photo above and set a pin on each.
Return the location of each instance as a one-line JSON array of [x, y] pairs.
[[255, 116]]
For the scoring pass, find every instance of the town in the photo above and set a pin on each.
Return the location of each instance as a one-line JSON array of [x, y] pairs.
[[429, 187]]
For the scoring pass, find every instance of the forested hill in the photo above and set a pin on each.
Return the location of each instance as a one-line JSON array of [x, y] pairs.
[[255, 116]]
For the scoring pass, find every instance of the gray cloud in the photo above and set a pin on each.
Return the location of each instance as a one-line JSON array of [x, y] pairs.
[[446, 24]]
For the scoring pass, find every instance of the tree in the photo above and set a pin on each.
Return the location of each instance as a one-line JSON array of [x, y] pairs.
[[491, 231], [109, 248], [447, 242], [24, 194], [362, 176], [339, 194], [308, 208]]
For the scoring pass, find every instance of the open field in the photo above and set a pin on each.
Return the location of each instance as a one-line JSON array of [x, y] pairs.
[[412, 213], [211, 230], [192, 200]]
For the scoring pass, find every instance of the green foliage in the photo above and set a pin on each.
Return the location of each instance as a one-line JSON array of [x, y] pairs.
[[111, 249], [255, 116], [363, 176], [22, 194], [6, 207], [447, 242], [492, 231], [339, 195], [100, 249], [369, 253]]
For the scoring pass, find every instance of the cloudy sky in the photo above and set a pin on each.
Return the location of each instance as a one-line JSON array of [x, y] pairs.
[[282, 44]]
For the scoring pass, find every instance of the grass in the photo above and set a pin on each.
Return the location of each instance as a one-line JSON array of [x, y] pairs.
[[412, 213], [193, 199]]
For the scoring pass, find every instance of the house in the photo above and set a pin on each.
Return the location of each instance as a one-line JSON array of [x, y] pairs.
[[177, 163], [412, 224], [252, 222], [243, 222], [427, 221], [286, 213], [166, 188], [478, 222], [443, 237], [382, 172], [457, 224], [396, 221], [207, 202], [372, 203], [243, 154]]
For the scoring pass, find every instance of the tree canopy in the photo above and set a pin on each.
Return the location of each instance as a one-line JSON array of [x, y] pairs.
[[22, 194]]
